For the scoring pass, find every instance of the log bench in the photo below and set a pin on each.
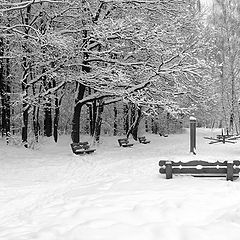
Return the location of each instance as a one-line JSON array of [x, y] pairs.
[[228, 169], [124, 142], [81, 148], [143, 140]]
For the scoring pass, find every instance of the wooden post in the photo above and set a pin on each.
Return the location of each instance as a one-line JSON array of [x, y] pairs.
[[168, 169], [230, 171], [193, 126]]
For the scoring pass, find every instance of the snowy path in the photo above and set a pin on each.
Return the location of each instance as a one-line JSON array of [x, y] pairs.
[[115, 193]]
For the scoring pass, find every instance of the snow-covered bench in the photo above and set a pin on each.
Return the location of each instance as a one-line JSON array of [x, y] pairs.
[[124, 142], [228, 169], [163, 134], [143, 140], [81, 148]]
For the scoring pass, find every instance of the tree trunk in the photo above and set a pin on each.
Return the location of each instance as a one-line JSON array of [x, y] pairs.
[[35, 119], [125, 118], [80, 88], [7, 98], [24, 83], [146, 124], [5, 91], [25, 127], [168, 123], [2, 93], [152, 125], [134, 127], [47, 108], [115, 120], [56, 114], [98, 121], [34, 115], [56, 120], [76, 114], [25, 105], [92, 117], [48, 120], [132, 113], [35, 124]]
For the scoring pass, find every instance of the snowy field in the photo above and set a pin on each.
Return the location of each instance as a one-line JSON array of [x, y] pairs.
[[116, 193]]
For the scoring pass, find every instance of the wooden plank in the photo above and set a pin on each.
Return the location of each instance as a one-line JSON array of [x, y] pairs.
[[214, 175], [199, 162], [235, 175], [127, 145], [90, 151], [83, 143], [79, 151], [84, 151], [194, 163], [199, 171]]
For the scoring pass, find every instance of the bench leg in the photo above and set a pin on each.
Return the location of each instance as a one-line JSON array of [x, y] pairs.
[[230, 171], [168, 170]]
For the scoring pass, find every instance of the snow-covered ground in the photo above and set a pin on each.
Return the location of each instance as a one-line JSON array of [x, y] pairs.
[[116, 193]]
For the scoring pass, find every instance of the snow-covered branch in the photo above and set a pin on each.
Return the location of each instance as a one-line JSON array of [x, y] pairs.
[[25, 4], [14, 28]]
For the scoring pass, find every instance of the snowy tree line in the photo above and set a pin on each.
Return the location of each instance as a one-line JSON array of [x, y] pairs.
[[90, 65]]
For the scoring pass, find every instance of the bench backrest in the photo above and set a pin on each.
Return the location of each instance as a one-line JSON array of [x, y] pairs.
[[199, 167]]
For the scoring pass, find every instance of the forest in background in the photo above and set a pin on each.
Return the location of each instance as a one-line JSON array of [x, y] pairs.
[[116, 67]]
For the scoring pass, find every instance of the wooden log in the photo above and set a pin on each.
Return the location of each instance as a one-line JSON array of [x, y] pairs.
[[210, 170], [199, 162]]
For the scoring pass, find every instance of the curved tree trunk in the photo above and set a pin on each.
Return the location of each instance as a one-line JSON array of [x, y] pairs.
[[134, 127], [75, 135], [98, 124]]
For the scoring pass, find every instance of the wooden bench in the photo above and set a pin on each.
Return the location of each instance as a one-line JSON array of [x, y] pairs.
[[143, 140], [163, 135], [81, 148], [228, 169], [124, 142]]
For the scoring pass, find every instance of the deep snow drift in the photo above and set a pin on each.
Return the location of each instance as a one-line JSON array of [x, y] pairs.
[[116, 193]]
